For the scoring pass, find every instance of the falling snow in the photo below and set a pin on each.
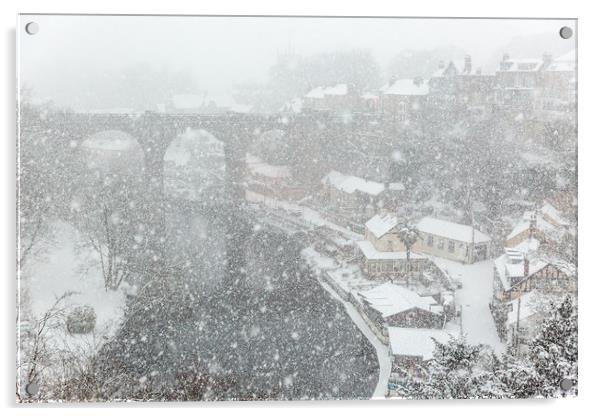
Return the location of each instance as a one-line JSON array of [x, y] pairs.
[[347, 228]]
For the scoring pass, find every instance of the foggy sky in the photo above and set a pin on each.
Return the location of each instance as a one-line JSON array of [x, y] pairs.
[[70, 52]]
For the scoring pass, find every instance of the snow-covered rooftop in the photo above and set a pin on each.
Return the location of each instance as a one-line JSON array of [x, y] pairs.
[[351, 184], [564, 63], [523, 65], [460, 68], [408, 87], [369, 96], [317, 92], [539, 222], [396, 186], [553, 214], [293, 106], [371, 253], [259, 167], [451, 230], [527, 247], [379, 225], [510, 267], [390, 299], [416, 342], [527, 307], [339, 89]]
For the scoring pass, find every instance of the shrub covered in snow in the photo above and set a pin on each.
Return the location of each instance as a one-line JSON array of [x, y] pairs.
[[81, 320]]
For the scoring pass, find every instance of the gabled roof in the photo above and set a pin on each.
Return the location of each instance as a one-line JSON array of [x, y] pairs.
[[536, 218], [293, 106], [564, 63], [339, 89], [511, 266], [317, 92], [451, 230], [334, 178], [371, 253], [379, 225], [390, 299], [416, 342], [350, 184], [548, 210], [407, 87]]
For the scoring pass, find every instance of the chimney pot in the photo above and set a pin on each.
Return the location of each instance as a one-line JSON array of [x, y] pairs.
[[467, 64], [547, 59]]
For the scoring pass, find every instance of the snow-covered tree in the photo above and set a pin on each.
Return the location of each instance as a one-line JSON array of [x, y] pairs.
[[459, 371], [409, 235], [108, 218], [554, 352]]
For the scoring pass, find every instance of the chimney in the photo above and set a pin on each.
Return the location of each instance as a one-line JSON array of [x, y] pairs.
[[467, 64], [504, 65], [526, 266], [547, 60], [392, 80], [441, 64], [532, 225], [418, 81]]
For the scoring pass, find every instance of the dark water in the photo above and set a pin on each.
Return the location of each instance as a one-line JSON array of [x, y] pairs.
[[268, 332]]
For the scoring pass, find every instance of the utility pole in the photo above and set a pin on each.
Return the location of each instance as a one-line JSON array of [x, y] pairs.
[[470, 252], [517, 322], [461, 319]]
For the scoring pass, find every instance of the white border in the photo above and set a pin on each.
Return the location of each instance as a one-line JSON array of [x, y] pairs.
[[590, 209]]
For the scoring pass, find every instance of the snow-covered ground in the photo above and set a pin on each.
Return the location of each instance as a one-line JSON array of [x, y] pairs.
[[311, 216], [474, 298], [65, 267]]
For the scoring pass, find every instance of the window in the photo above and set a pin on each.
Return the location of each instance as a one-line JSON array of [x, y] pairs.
[[451, 246], [429, 241], [440, 244]]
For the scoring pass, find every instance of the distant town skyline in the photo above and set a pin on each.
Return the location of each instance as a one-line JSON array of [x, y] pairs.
[[219, 52]]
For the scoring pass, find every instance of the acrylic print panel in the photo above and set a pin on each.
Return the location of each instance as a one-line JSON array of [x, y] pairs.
[[281, 208]]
